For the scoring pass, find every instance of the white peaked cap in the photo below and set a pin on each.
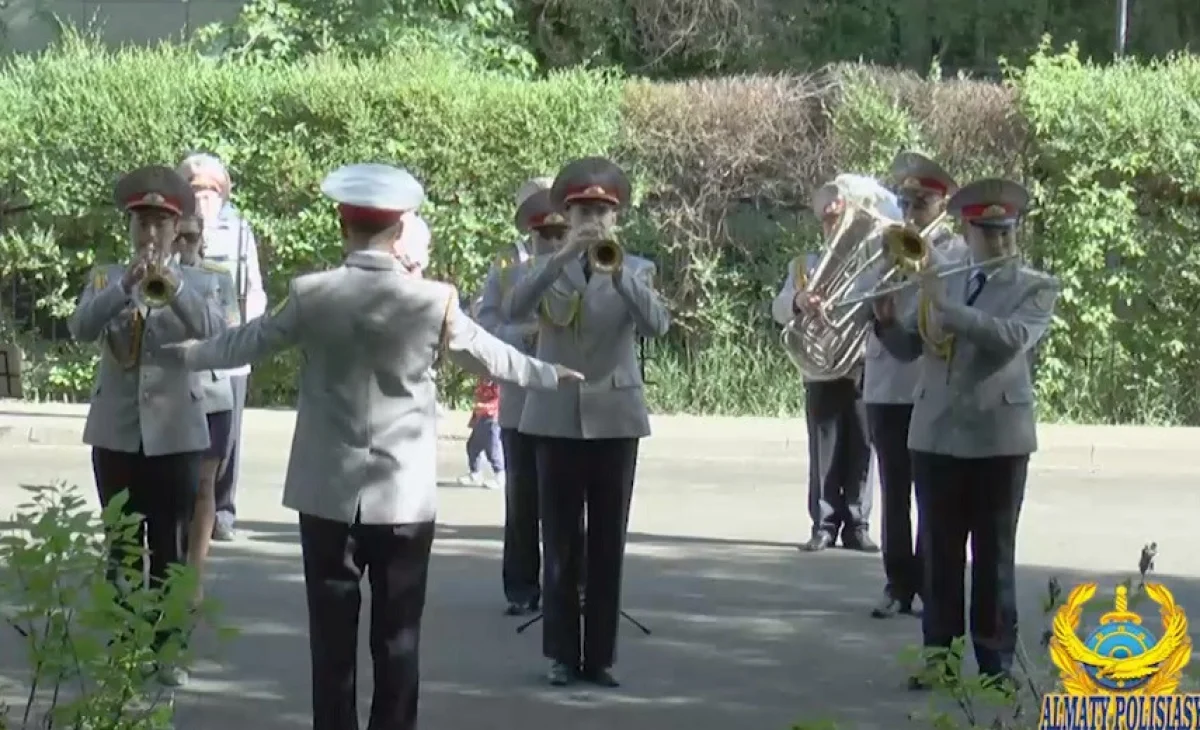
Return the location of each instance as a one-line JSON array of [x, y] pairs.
[[376, 186], [415, 239]]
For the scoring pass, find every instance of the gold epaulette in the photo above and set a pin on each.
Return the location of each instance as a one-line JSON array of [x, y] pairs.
[[800, 271], [214, 267]]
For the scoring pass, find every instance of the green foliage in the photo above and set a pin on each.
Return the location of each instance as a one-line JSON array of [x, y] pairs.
[[482, 32], [77, 117], [88, 624], [672, 38], [1116, 172], [723, 170]]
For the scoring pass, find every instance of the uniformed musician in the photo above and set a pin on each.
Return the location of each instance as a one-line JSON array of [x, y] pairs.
[[146, 423], [219, 402], [922, 189], [230, 241], [522, 561], [592, 302], [362, 470], [839, 450], [974, 424]]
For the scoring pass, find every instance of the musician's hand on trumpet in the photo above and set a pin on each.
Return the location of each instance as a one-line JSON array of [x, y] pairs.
[[134, 273]]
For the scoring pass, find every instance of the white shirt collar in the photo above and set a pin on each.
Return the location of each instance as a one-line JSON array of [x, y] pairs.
[[522, 251]]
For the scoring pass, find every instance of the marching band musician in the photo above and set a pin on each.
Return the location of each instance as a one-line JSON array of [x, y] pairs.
[[839, 449], [922, 189], [591, 308], [228, 241], [973, 424], [522, 561], [219, 402], [362, 470], [146, 422]]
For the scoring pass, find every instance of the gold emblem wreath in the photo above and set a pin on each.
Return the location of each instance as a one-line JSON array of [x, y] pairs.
[[1163, 664]]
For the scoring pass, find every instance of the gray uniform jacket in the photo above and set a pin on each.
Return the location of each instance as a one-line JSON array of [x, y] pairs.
[[590, 326], [520, 334], [980, 402], [887, 380], [365, 444], [143, 400], [218, 390]]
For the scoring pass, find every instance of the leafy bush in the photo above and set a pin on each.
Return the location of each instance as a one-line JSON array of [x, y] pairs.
[[88, 636], [723, 168]]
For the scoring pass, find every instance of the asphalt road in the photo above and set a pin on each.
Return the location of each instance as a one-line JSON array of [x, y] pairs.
[[747, 631]]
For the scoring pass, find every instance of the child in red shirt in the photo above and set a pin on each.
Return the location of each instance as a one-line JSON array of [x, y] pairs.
[[484, 441]]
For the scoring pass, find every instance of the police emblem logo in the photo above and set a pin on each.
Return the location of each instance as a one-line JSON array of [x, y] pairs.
[[554, 219], [153, 199], [1121, 656], [994, 211], [596, 191], [910, 183]]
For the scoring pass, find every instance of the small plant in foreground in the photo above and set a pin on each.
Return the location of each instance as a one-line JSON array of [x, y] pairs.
[[93, 631]]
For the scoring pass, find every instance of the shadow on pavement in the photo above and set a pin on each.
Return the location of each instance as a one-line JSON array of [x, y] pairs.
[[746, 635]]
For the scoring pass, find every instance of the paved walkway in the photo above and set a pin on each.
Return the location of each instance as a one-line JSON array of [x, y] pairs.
[[748, 632]]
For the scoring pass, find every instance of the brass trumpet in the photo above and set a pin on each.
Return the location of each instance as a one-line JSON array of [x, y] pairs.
[[158, 285], [605, 256]]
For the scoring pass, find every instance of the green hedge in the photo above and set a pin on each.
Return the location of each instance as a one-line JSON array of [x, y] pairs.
[[724, 168]]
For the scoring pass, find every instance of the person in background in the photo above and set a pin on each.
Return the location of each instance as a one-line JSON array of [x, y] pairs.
[[412, 248], [483, 445], [228, 241], [839, 446], [922, 189], [218, 403]]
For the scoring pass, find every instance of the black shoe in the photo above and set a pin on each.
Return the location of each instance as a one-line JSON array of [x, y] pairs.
[[223, 533], [560, 674], [600, 677], [890, 606], [819, 541], [859, 540], [519, 609], [918, 683]]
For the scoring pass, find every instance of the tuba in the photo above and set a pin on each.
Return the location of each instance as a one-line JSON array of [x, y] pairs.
[[870, 246], [158, 285]]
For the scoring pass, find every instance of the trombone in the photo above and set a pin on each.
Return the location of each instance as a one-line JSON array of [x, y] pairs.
[[941, 272]]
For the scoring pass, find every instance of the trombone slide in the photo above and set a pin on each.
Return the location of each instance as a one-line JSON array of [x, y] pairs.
[[901, 286]]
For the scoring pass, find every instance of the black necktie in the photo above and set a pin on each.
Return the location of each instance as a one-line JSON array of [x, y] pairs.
[[587, 268], [975, 287]]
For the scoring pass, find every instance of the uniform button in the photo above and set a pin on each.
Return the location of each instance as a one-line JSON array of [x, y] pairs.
[[145, 396]]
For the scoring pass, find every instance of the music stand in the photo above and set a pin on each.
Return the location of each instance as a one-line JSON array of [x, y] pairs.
[[641, 626]]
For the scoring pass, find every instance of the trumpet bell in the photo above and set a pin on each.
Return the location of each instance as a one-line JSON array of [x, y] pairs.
[[156, 290], [606, 256]]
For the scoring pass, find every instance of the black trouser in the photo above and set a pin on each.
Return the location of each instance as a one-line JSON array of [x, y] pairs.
[[225, 489], [979, 498], [522, 549], [161, 489], [573, 474], [839, 456], [396, 561], [889, 435]]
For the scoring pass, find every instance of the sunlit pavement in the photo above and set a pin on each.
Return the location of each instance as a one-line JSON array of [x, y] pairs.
[[747, 631]]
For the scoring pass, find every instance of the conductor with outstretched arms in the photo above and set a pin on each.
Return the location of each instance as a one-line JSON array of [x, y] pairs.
[[362, 470], [593, 302], [974, 419]]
